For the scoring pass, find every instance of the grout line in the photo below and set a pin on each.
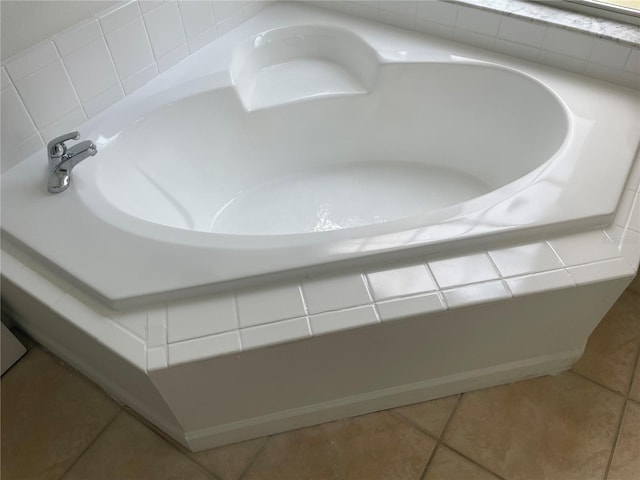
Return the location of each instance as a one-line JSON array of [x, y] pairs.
[[615, 440], [95, 439], [394, 412], [599, 384], [255, 456]]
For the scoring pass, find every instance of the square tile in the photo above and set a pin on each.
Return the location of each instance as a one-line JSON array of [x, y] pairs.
[[201, 317], [165, 30], [379, 446], [224, 9], [478, 21], [581, 248], [275, 333], [343, 320], [120, 16], [197, 16], [600, 271], [520, 31], [430, 416], [448, 465], [139, 79], [91, 69], [399, 7], [625, 463], [565, 62], [463, 270], [438, 12], [228, 23], [103, 100], [573, 44], [334, 293], [612, 349], [554, 427], [48, 94], [475, 294], [230, 461], [77, 37], [525, 259], [32, 60], [128, 449], [610, 54], [400, 282], [173, 58], [540, 282], [269, 305], [207, 347], [410, 307], [633, 62], [15, 121], [130, 48], [50, 415]]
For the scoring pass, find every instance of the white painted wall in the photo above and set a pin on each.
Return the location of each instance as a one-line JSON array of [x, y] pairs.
[[25, 23]]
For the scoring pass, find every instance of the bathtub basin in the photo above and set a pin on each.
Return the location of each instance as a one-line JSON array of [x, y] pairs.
[[316, 217]]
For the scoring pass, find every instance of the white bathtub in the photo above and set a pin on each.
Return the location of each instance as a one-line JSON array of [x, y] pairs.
[[312, 186]]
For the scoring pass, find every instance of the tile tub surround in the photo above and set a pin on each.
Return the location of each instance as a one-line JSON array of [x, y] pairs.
[[365, 319], [58, 84], [91, 66]]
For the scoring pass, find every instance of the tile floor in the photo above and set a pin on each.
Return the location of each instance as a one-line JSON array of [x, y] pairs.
[[582, 424]]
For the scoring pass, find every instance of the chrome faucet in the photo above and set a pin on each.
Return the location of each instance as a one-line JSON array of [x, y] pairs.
[[63, 159]]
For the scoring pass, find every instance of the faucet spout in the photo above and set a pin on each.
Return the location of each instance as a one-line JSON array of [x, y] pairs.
[[62, 160]]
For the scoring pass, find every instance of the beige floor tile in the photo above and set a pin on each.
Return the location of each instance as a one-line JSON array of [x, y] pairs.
[[634, 392], [611, 352], [626, 458], [448, 465], [128, 450], [430, 416], [556, 427], [50, 414], [635, 285], [228, 462], [376, 446]]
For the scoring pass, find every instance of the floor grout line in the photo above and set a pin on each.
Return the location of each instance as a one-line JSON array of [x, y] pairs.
[[615, 440], [254, 457], [595, 382], [92, 442]]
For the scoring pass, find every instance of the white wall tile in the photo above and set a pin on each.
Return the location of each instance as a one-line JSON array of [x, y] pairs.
[[592, 246], [203, 39], [598, 272], [525, 259], [253, 8], [474, 39], [137, 80], [165, 30], [91, 69], [197, 16], [362, 11], [628, 79], [120, 16], [410, 307], [610, 54], [478, 21], [229, 23], [432, 28], [633, 63], [517, 50], [225, 9], [173, 57], [400, 282], [475, 294], [568, 43], [522, 32], [270, 305], [540, 282], [32, 60], [438, 12], [399, 7], [396, 20], [77, 37], [130, 48], [67, 123], [103, 101], [197, 318], [562, 61], [5, 80], [601, 72], [148, 5], [48, 94], [274, 333], [14, 155], [333, 293], [15, 121], [463, 270], [343, 320], [214, 346]]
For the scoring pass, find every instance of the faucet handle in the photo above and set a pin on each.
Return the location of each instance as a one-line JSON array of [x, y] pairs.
[[56, 147]]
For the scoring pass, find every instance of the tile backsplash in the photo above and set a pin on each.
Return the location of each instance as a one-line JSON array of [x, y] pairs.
[[74, 75], [56, 85]]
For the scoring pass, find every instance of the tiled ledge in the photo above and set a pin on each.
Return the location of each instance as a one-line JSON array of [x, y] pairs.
[[546, 14], [191, 330]]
